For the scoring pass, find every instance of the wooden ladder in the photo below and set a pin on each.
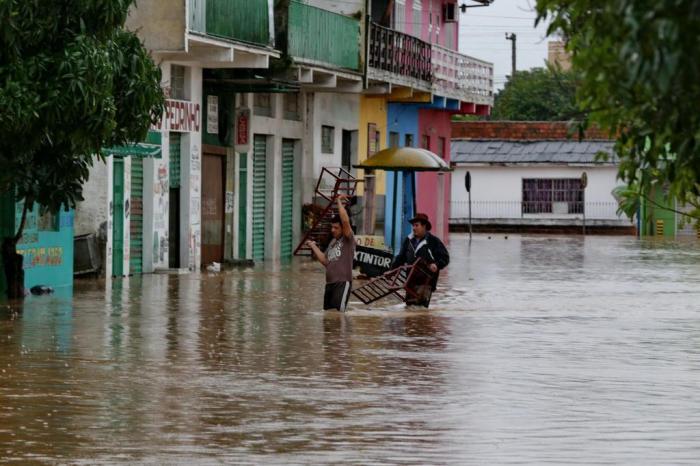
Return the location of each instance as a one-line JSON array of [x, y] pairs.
[[332, 183]]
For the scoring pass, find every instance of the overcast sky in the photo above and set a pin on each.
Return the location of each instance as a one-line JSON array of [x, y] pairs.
[[483, 30]]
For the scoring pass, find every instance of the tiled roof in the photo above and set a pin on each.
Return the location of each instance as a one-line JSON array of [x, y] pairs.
[[547, 152]]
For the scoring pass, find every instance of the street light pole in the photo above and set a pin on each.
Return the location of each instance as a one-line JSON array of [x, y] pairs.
[[513, 38], [468, 186]]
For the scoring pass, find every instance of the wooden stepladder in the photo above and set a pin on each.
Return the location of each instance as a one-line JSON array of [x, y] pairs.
[[406, 283], [332, 183]]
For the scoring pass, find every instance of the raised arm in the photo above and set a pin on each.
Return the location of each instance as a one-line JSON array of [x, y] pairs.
[[344, 217]]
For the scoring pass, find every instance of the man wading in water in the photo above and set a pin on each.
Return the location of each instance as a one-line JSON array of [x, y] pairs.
[[337, 260], [421, 244]]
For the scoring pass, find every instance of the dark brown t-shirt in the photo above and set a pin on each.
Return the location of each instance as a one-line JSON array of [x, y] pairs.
[[340, 254]]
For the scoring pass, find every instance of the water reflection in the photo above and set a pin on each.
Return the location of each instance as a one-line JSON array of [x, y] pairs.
[[536, 349]]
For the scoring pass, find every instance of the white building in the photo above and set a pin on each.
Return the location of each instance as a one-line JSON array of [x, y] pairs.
[[526, 184]]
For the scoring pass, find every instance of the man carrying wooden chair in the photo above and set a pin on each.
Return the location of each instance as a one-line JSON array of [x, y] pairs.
[[421, 244]]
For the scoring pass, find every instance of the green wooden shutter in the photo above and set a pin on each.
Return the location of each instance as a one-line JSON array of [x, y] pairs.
[[259, 196], [118, 225], [287, 208], [174, 160], [136, 224]]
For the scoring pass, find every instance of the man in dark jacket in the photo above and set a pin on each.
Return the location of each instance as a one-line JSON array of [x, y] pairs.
[[421, 244]]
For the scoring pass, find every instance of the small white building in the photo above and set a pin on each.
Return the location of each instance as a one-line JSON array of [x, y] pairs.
[[535, 185]]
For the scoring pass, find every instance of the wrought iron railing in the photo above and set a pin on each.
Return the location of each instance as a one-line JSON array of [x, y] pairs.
[[399, 53]]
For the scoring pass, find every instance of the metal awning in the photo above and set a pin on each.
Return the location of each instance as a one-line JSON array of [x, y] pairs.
[[140, 149], [406, 159]]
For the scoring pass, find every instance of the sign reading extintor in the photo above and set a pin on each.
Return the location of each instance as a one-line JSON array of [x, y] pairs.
[[242, 130]]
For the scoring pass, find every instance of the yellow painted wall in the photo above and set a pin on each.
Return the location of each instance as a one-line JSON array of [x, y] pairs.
[[372, 110]]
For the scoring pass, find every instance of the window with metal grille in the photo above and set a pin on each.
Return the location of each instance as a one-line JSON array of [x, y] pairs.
[[327, 139], [425, 142], [552, 196], [177, 82], [408, 140], [262, 104]]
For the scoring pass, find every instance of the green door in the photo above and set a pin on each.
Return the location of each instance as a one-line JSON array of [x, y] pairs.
[[118, 224], [259, 196], [242, 205], [136, 223], [287, 207]]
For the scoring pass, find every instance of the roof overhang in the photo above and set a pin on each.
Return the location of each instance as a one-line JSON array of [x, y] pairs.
[[213, 52]]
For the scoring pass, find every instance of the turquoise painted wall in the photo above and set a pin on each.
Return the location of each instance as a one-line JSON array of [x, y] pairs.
[[47, 248]]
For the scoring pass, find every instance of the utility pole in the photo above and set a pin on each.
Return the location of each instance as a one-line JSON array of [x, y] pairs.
[[513, 38]]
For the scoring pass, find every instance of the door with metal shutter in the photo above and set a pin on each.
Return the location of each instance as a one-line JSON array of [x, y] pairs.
[[259, 195], [136, 224], [118, 223], [287, 207]]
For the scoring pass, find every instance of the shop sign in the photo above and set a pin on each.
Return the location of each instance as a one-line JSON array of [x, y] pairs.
[[180, 116], [213, 114], [242, 136], [372, 262]]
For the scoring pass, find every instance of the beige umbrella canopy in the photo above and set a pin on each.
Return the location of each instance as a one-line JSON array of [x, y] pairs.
[[405, 158]]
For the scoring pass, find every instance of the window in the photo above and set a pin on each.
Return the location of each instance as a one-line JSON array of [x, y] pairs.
[[48, 222], [177, 82], [393, 139], [262, 104], [400, 15], [408, 140], [425, 142], [327, 139], [442, 147], [417, 18], [552, 196], [374, 138], [291, 107]]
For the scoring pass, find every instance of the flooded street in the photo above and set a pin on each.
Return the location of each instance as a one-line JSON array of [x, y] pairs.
[[536, 350]]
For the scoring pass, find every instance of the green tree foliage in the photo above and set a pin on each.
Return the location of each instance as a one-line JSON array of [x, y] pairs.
[[639, 65], [72, 81], [540, 94]]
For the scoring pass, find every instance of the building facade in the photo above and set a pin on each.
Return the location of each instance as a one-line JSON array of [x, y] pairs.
[[529, 176], [261, 95]]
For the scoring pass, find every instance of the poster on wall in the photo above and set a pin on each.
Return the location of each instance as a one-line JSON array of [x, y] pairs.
[[213, 114], [242, 136], [372, 139]]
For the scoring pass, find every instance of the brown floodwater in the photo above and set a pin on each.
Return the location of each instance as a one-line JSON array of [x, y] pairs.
[[536, 350]]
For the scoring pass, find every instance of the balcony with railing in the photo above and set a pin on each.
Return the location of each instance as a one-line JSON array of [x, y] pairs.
[[461, 77], [399, 58], [402, 59], [321, 37], [239, 20]]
